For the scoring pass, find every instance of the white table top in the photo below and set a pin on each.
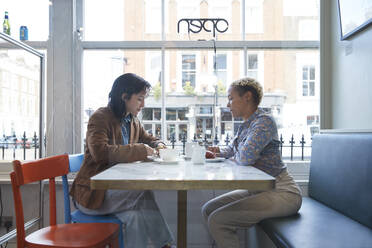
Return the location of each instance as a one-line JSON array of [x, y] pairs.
[[182, 176]]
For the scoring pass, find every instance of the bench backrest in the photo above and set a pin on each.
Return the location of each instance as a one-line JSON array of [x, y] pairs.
[[341, 174]]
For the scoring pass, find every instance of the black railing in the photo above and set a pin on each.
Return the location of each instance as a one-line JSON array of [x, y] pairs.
[[13, 147], [288, 148]]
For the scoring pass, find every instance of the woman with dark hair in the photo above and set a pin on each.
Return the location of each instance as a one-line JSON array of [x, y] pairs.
[[115, 135], [255, 144]]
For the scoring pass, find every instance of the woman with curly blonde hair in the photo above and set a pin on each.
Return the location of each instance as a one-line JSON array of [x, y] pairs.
[[255, 144]]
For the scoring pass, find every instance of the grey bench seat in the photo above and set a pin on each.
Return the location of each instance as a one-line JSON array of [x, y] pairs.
[[317, 226], [338, 211]]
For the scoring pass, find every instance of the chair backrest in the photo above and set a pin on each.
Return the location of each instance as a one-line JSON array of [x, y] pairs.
[[25, 173], [340, 174], [75, 162]]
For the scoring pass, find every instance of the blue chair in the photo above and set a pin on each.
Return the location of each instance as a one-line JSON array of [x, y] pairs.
[[77, 216]]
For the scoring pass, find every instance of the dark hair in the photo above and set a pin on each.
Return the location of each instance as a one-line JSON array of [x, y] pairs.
[[130, 84]]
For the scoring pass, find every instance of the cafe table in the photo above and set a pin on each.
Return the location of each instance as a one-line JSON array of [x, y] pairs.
[[182, 176]]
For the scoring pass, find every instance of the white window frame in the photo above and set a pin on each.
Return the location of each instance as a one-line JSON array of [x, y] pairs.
[[304, 59], [179, 70], [260, 65], [80, 45], [309, 82]]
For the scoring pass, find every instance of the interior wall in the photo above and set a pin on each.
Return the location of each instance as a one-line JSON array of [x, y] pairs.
[[347, 71]]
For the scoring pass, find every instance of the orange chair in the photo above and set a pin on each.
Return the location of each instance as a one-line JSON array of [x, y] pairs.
[[77, 235]]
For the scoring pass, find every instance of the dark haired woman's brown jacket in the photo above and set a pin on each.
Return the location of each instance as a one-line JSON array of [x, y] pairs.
[[104, 149]]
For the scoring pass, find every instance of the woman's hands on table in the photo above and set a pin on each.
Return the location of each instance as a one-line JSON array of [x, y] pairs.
[[160, 146], [149, 150], [212, 152]]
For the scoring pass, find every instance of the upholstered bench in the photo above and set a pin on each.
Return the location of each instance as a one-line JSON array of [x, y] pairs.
[[338, 211]]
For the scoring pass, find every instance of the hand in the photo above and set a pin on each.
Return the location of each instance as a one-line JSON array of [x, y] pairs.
[[214, 149], [150, 151], [161, 146], [209, 154]]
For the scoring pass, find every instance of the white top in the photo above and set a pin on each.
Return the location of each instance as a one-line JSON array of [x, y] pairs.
[[183, 175]]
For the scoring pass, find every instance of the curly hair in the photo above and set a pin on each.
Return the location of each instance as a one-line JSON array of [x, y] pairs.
[[249, 84]]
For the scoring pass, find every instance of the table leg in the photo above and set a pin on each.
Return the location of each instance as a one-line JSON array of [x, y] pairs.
[[181, 218]]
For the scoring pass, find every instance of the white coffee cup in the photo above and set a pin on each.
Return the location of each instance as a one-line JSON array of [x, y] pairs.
[[188, 149], [198, 155], [168, 154]]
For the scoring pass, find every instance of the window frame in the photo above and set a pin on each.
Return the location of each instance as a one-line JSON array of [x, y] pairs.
[[163, 44]]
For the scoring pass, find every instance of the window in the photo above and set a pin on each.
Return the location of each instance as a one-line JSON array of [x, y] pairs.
[[158, 131], [182, 114], [312, 120], [205, 110], [252, 66], [147, 114], [188, 70], [150, 118], [111, 24], [148, 128], [189, 90], [226, 125], [226, 114], [182, 131], [254, 16], [308, 80], [221, 68], [153, 67], [171, 131], [171, 114]]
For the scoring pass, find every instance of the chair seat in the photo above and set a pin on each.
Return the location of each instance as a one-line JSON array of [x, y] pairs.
[[74, 235]]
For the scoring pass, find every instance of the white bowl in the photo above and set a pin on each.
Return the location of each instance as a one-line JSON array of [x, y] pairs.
[[168, 154]]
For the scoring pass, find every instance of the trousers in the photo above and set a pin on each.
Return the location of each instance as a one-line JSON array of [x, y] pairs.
[[226, 213]]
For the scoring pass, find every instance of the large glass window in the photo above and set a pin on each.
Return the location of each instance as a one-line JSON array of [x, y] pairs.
[[195, 79], [33, 14], [19, 88]]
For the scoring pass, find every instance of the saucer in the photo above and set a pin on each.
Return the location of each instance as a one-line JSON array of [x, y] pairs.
[[214, 160], [187, 158], [160, 161]]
